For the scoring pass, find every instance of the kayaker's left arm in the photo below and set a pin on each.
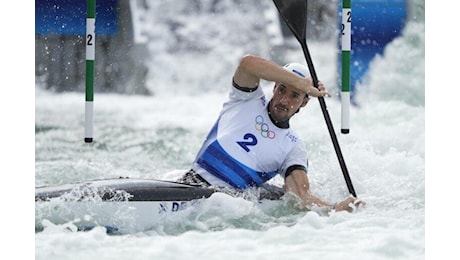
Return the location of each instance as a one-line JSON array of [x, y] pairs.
[[297, 183]]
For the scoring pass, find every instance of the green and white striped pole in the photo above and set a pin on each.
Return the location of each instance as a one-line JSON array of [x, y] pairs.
[[346, 59], [90, 54]]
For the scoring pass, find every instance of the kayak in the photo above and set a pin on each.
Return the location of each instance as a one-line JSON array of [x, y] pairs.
[[113, 203]]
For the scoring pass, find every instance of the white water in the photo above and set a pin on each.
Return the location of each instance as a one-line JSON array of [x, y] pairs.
[[153, 137]]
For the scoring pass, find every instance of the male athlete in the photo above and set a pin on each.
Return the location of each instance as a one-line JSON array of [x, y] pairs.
[[251, 141]]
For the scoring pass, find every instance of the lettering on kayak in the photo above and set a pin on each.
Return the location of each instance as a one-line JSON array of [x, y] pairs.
[[172, 206], [175, 206]]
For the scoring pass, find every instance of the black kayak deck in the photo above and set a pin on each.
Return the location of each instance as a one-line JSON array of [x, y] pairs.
[[138, 190], [142, 190]]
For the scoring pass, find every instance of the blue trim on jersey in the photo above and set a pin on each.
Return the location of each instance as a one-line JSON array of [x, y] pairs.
[[220, 164]]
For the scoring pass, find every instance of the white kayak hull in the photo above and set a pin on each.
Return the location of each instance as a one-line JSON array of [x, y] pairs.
[[122, 204], [114, 203]]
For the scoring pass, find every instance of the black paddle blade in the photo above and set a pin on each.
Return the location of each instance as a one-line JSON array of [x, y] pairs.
[[294, 13]]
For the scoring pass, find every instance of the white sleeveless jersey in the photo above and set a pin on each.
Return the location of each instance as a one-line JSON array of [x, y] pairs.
[[244, 148]]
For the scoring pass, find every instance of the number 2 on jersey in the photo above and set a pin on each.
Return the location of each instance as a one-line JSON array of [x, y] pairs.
[[251, 141]]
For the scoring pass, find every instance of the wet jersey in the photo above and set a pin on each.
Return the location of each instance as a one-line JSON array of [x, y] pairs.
[[244, 148]]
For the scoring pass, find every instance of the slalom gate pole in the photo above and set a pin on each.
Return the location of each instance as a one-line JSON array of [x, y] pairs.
[[90, 54], [346, 58]]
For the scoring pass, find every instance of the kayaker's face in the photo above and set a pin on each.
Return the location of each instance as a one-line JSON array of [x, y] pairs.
[[285, 102]]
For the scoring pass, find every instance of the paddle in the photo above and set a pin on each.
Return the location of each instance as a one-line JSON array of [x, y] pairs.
[[294, 14]]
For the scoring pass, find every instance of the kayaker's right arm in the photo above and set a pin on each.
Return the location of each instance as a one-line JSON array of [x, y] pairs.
[[252, 68]]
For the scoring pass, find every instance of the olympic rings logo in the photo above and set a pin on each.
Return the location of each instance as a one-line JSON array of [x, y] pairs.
[[263, 128]]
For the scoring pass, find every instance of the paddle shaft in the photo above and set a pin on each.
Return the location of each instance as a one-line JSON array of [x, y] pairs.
[[330, 127]]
